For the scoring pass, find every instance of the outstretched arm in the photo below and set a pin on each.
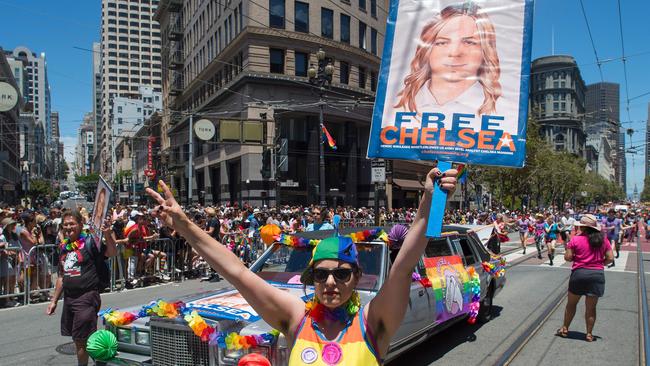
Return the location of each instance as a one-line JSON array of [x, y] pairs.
[[386, 311], [280, 311]]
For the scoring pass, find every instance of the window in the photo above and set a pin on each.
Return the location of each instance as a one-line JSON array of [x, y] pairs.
[[373, 8], [470, 259], [362, 77], [302, 17], [556, 106], [277, 61], [276, 14], [345, 72], [373, 41], [139, 110], [119, 109], [362, 35], [437, 248], [362, 4], [373, 81], [302, 59], [119, 120], [345, 28], [327, 23]]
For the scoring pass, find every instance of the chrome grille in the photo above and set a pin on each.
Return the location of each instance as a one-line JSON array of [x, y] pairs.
[[176, 345]]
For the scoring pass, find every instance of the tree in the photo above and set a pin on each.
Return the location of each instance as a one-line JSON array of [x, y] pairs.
[[87, 183], [645, 193], [39, 190]]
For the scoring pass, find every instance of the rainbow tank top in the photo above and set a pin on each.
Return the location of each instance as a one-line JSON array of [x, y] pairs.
[[352, 347]]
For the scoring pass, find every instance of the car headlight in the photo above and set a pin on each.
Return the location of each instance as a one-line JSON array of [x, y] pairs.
[[124, 335], [142, 338]]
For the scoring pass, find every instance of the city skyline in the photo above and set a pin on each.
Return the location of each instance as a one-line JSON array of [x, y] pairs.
[[559, 28]]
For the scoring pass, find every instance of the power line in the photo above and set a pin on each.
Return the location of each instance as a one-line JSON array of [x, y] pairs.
[[627, 90], [593, 45]]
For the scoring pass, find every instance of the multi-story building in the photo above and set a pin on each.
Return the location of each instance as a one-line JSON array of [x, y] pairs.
[[129, 114], [602, 119], [97, 103], [557, 101], [647, 144], [130, 51], [10, 177], [244, 65], [39, 97], [621, 173], [603, 161], [84, 154]]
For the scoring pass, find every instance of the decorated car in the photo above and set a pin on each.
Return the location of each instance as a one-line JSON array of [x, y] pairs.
[[456, 280]]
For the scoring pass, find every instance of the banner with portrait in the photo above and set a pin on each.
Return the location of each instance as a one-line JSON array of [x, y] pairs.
[[100, 208], [453, 83]]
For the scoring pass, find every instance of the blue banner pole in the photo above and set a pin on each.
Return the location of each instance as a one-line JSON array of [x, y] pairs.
[[438, 202]]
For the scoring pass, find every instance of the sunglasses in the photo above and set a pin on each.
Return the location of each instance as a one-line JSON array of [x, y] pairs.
[[340, 274]]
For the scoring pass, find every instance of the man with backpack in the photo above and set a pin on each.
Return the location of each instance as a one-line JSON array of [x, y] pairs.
[[83, 274]]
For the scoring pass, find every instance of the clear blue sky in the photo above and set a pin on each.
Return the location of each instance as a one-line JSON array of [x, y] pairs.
[[56, 27]]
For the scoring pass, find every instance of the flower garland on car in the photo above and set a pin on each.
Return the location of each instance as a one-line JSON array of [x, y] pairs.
[[195, 321], [272, 233], [475, 293], [68, 246], [498, 270]]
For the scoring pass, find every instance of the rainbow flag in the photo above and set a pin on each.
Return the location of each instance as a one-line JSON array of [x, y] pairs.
[[328, 138], [450, 283], [462, 173]]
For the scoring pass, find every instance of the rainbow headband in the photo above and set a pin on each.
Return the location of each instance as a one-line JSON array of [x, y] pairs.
[[198, 325], [276, 235]]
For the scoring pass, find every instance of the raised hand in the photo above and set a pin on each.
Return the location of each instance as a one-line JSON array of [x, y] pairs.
[[169, 211], [107, 226], [447, 180]]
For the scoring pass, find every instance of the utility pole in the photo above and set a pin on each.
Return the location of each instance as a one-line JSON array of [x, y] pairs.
[[133, 175], [190, 166], [321, 76]]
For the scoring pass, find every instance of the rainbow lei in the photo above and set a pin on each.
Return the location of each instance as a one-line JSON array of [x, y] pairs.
[[194, 321], [318, 311], [67, 246], [498, 270], [360, 236], [475, 292]]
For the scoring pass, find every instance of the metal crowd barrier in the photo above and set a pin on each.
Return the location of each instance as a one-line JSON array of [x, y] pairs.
[[164, 267], [356, 223], [10, 269], [40, 271]]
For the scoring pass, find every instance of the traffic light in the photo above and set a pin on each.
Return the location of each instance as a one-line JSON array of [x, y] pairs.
[[266, 164]]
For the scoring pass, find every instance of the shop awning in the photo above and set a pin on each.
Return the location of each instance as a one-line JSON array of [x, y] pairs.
[[408, 184]]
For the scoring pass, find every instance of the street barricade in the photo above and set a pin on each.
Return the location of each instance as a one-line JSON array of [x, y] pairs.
[[40, 272], [10, 270]]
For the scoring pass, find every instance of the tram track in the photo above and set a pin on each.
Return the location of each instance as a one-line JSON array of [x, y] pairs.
[[558, 299]]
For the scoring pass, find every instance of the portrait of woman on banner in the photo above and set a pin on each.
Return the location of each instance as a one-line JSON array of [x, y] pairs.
[[455, 68]]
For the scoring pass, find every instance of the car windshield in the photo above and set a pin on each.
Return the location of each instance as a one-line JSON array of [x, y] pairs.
[[285, 264]]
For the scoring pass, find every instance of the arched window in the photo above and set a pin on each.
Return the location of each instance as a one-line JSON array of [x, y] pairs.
[[559, 142]]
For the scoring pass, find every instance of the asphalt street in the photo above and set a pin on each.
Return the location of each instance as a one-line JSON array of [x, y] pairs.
[[29, 337]]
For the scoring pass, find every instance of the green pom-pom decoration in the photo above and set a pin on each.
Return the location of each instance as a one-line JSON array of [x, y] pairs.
[[102, 345]]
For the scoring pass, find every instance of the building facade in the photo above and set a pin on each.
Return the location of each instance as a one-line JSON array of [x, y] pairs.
[[130, 51], [38, 95], [85, 149], [244, 66], [621, 173], [557, 102], [602, 119], [647, 143], [97, 103], [10, 176]]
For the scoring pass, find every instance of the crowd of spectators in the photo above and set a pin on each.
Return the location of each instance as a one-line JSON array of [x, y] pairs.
[[150, 252]]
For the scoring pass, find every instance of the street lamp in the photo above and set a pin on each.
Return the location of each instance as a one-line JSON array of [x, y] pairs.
[[321, 77]]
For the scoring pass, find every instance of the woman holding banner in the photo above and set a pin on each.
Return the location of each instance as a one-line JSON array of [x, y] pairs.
[[334, 272], [456, 65]]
